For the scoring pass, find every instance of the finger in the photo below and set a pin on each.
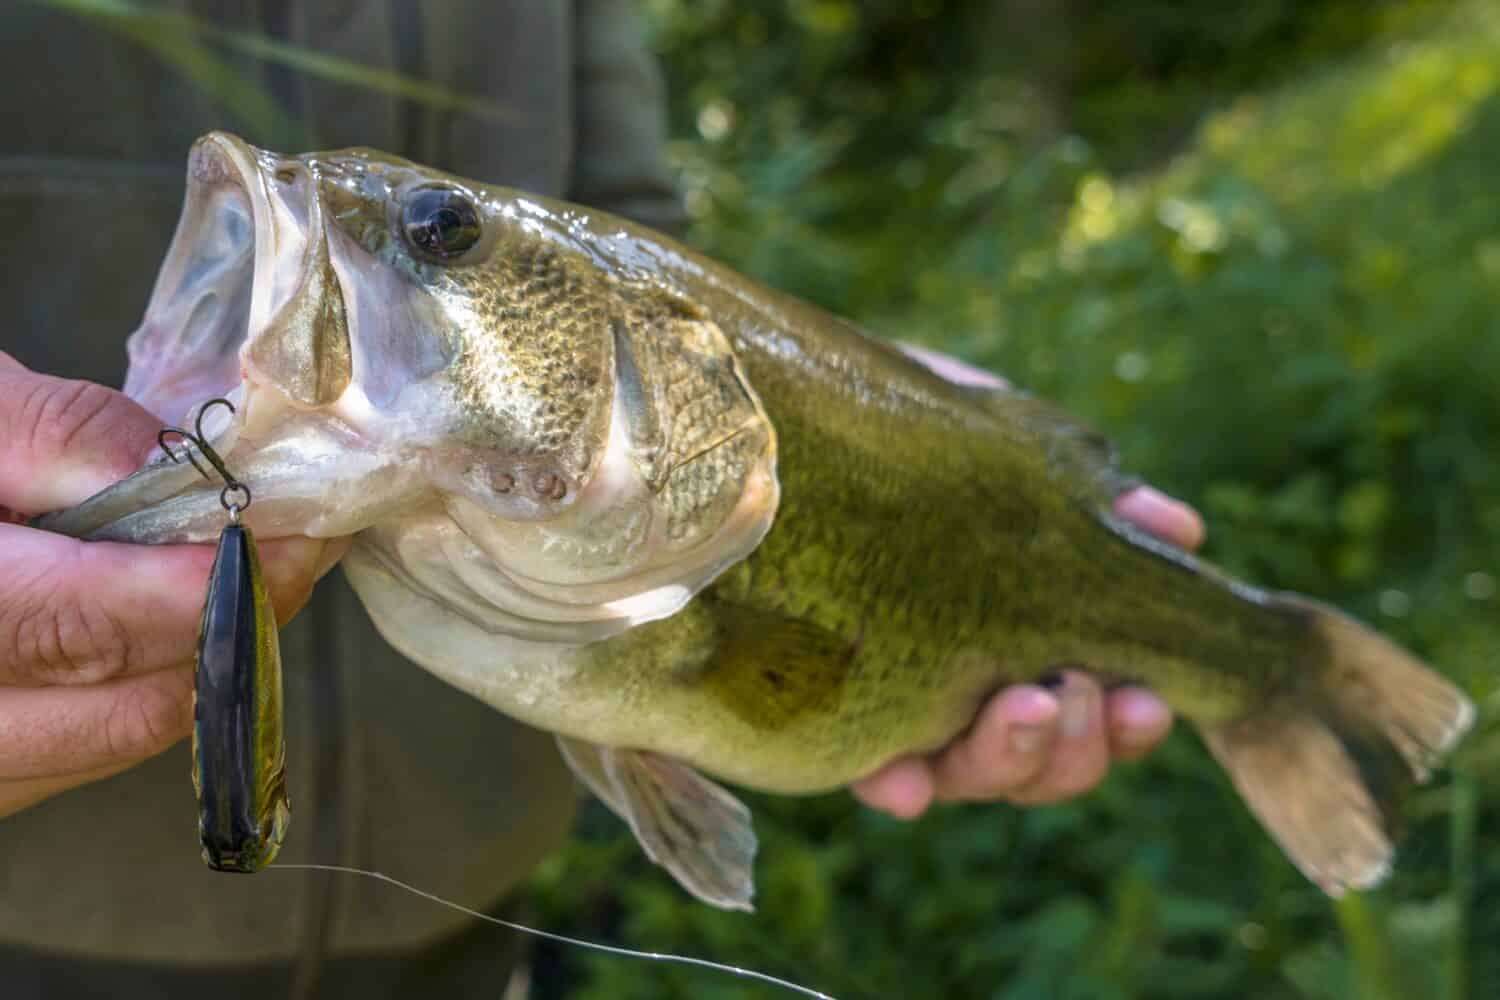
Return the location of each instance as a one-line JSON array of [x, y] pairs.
[[48, 732], [23, 794], [81, 613], [1168, 519], [952, 369], [903, 788], [63, 440], [293, 565], [329, 555], [1079, 757], [1007, 747], [1137, 721]]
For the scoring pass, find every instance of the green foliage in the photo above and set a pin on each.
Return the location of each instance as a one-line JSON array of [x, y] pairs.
[[1293, 321]]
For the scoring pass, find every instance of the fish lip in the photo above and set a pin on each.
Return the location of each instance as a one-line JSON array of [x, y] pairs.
[[262, 176], [175, 369], [222, 158], [251, 220]]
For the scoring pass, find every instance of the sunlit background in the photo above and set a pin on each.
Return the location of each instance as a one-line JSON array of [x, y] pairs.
[[1260, 244]]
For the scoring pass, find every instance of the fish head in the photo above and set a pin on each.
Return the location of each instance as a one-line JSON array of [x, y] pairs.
[[392, 299], [458, 374]]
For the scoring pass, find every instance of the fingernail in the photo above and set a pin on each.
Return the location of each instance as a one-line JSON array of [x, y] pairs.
[[1138, 717], [1027, 739], [1076, 711], [1166, 517]]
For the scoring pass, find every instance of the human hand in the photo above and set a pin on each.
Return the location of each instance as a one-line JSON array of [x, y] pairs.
[[1030, 744], [97, 639]]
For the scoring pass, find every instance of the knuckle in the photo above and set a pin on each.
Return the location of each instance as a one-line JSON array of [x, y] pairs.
[[962, 766], [60, 412], [969, 777], [1078, 777], [50, 637], [1014, 782], [148, 717], [1068, 774]]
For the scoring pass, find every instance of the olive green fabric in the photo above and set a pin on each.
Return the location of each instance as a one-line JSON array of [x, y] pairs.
[[387, 767]]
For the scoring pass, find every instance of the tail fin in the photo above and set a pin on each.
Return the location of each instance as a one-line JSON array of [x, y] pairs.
[[1324, 763]]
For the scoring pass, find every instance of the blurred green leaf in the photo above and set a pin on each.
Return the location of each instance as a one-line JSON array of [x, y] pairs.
[[1256, 246]]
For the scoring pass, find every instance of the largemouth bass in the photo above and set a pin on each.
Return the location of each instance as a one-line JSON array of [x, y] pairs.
[[690, 524]]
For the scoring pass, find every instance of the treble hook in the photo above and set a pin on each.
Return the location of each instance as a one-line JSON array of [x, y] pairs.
[[232, 485]]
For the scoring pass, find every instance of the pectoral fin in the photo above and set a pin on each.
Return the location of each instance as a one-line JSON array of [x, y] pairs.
[[687, 824]]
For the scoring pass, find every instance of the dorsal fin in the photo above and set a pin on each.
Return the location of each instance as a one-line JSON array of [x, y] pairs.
[[1081, 453]]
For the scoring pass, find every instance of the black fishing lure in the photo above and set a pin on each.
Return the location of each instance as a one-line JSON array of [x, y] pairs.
[[239, 740]]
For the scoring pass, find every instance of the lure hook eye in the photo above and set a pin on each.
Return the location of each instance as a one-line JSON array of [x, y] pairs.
[[235, 496]]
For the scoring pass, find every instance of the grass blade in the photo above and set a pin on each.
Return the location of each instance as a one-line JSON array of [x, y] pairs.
[[178, 39], [164, 34]]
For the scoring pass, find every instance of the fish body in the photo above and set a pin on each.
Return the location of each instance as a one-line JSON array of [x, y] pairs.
[[691, 524]]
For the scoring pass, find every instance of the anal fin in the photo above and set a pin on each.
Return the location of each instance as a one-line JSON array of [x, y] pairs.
[[687, 824]]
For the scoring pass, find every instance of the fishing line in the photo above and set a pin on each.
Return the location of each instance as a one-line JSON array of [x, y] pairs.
[[653, 956]]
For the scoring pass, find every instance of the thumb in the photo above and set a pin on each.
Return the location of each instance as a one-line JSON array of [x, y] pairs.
[[63, 440]]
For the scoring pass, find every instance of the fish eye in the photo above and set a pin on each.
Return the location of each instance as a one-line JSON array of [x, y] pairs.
[[439, 223]]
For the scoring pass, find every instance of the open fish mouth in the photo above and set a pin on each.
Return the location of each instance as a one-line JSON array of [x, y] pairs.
[[247, 246], [516, 429], [249, 307]]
